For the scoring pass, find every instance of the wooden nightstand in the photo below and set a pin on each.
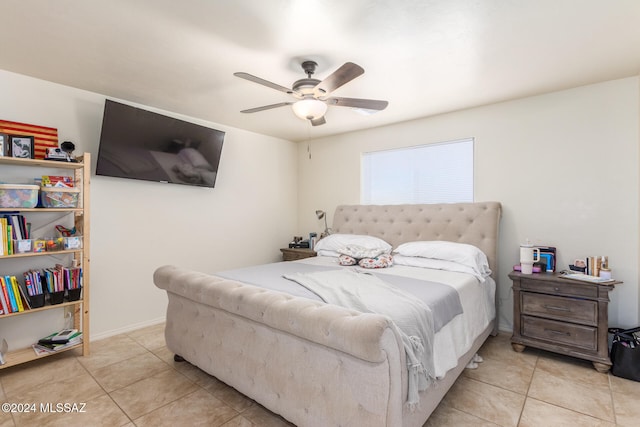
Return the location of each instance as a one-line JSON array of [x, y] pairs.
[[561, 315], [292, 254]]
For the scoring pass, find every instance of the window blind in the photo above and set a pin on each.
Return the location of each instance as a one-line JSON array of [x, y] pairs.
[[433, 173]]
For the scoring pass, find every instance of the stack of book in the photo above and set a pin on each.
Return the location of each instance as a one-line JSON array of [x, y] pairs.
[[13, 227], [57, 341], [13, 296]]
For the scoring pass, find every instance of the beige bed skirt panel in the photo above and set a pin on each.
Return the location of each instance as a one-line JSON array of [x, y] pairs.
[[341, 367]]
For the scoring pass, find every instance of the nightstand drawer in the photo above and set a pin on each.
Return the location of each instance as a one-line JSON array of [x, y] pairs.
[[586, 290], [562, 333], [560, 308], [292, 254]]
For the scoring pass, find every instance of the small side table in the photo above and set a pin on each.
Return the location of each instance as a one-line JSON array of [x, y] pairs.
[[564, 316], [292, 254]]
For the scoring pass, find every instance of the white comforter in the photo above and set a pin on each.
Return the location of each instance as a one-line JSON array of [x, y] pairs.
[[455, 338]]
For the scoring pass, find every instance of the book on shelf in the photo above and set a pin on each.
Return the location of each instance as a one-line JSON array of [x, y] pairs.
[[8, 288], [23, 293], [4, 297], [16, 292], [57, 341], [13, 297], [4, 309], [3, 237], [33, 282]]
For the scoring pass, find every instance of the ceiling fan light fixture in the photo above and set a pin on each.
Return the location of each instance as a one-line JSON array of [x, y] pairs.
[[309, 109]]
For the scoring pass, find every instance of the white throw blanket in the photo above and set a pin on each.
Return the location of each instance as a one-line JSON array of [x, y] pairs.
[[367, 293]]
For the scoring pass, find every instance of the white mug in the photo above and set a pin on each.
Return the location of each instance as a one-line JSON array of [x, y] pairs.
[[529, 254]]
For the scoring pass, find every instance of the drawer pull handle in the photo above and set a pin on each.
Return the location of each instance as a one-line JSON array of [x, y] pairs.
[[554, 307], [553, 331]]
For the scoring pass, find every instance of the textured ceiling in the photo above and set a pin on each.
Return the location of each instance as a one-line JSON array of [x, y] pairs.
[[424, 56]]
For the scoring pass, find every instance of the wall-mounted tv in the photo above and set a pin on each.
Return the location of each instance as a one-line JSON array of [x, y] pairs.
[[140, 144]]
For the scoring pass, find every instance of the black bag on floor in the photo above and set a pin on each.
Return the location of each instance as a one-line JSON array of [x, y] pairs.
[[625, 353]]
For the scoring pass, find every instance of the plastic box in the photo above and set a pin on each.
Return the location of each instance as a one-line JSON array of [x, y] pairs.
[[73, 242], [59, 197], [39, 245], [23, 246], [54, 244], [18, 195]]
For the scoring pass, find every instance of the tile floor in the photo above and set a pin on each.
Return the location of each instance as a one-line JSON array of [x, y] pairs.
[[132, 380]]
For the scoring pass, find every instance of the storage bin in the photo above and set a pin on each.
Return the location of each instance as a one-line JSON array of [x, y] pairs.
[[18, 195], [56, 297], [36, 300], [54, 243], [74, 294], [22, 246], [73, 242], [59, 197], [39, 245]]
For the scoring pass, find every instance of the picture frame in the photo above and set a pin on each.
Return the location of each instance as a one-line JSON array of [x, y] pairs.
[[22, 146], [4, 144]]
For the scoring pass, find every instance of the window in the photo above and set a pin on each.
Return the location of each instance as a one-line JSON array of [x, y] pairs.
[[433, 173]]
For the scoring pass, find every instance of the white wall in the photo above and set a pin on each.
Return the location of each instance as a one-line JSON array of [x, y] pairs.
[[564, 166], [575, 151], [138, 226]]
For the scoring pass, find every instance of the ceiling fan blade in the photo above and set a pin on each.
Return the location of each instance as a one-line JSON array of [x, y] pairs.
[[341, 76], [266, 107], [365, 104], [263, 82], [319, 121]]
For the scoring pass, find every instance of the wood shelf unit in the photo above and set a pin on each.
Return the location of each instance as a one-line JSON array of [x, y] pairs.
[[80, 308]]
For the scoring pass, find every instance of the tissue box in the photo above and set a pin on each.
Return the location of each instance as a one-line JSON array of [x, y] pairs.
[[59, 197], [18, 195]]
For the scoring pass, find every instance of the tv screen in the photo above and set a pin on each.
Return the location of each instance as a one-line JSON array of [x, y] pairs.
[[140, 144]]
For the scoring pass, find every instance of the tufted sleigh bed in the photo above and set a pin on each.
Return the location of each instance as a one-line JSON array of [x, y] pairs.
[[320, 364]]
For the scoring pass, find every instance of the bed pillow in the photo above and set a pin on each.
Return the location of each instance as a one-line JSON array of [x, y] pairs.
[[333, 243], [460, 253], [437, 264], [325, 252]]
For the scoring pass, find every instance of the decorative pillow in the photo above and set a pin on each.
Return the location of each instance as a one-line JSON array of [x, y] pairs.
[[195, 158], [347, 260], [381, 261], [335, 242], [461, 253]]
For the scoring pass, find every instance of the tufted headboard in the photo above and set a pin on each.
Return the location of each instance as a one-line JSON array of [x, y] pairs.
[[472, 223]]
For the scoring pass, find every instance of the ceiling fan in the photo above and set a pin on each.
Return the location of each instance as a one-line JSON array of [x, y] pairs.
[[313, 95]]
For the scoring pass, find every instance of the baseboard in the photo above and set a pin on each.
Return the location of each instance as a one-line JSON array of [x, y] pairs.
[[128, 328]]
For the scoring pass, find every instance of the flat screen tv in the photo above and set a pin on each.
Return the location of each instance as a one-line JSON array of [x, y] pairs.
[[140, 144]]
